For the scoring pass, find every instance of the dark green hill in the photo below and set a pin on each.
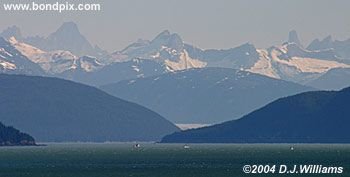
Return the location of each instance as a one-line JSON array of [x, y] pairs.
[[334, 79]]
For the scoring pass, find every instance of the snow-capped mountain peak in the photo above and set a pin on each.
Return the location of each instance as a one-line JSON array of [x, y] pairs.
[[166, 47], [55, 62], [13, 61], [290, 62], [90, 63], [60, 53], [29, 51]]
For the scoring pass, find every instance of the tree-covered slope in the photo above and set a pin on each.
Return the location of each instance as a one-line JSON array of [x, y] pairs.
[[10, 136]]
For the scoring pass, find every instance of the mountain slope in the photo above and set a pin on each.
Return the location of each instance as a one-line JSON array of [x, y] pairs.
[[10, 136], [13, 61], [58, 110], [203, 96], [312, 117], [334, 79], [292, 63], [240, 57], [289, 61], [56, 62], [166, 48], [136, 68]]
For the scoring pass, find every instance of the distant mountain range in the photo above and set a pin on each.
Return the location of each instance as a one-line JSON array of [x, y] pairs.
[[206, 96], [341, 48], [67, 37], [10, 136], [67, 53], [56, 62], [289, 61], [312, 117], [55, 110], [184, 83]]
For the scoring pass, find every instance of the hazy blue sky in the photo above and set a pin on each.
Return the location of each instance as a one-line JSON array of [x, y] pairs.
[[205, 23]]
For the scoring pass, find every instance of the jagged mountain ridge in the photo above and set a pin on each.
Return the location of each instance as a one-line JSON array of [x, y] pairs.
[[85, 69], [342, 48], [67, 37], [289, 61], [165, 48], [12, 31], [56, 62]]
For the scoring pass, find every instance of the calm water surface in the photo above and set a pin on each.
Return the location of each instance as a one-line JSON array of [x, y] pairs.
[[162, 160]]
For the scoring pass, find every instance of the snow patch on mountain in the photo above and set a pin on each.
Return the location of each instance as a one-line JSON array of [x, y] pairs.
[[291, 62], [90, 63], [191, 126], [7, 65], [264, 65], [14, 62], [55, 62], [303, 63], [184, 62], [29, 51], [166, 48], [3, 51], [312, 65]]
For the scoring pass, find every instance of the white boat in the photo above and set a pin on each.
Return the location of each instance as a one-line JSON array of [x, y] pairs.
[[186, 147]]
